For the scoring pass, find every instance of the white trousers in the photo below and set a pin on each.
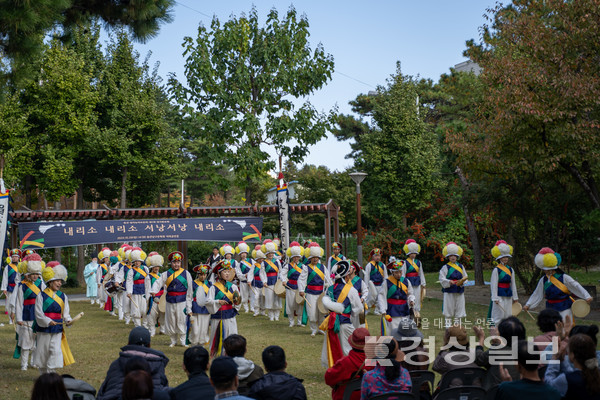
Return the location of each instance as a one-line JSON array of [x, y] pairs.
[[272, 301], [245, 295], [175, 321], [48, 354], [312, 309], [124, 306], [379, 300], [26, 336], [344, 333], [292, 307], [229, 328], [417, 292], [502, 312], [138, 308], [454, 305], [199, 334], [257, 301]]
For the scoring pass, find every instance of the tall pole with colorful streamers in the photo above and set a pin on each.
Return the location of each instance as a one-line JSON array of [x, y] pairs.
[[284, 215], [4, 198]]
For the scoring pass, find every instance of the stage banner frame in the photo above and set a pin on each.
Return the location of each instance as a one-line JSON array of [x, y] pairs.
[[52, 234]]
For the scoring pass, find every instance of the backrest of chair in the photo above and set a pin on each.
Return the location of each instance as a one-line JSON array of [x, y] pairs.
[[419, 377], [351, 387], [465, 376], [462, 393], [491, 393], [395, 396]]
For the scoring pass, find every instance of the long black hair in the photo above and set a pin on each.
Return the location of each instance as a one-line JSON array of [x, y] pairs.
[[392, 372]]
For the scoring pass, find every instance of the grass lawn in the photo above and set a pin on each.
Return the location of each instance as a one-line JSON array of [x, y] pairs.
[[95, 341]]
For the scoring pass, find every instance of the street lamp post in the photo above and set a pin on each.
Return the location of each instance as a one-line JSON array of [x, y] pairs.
[[358, 177]]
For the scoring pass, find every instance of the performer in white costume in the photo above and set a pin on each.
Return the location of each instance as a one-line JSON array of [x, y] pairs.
[[10, 279], [413, 270], [313, 280], [243, 271], [103, 270], [137, 286], [178, 283], [452, 278], [337, 256], [502, 283], [375, 275], [200, 319], [123, 302], [399, 298], [259, 277], [271, 267], [154, 262], [289, 275]]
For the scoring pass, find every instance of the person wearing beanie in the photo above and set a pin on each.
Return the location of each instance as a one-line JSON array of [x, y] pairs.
[[502, 284], [342, 301], [154, 262], [335, 257], [413, 271], [137, 286], [349, 367], [137, 346], [224, 378], [10, 279], [272, 268], [91, 280], [243, 271], [220, 301], [452, 278], [375, 275], [178, 284], [289, 275], [313, 280], [558, 288], [399, 299], [51, 314], [200, 319], [26, 293], [101, 272], [259, 277]]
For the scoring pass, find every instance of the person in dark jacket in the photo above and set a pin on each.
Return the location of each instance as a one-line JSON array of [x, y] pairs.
[[195, 364], [138, 346], [248, 372], [277, 384]]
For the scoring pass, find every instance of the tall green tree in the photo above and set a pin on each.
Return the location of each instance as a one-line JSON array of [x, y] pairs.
[[242, 82]]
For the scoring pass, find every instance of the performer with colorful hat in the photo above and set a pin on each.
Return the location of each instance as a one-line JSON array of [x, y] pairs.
[[51, 314], [400, 298], [342, 301], [375, 275], [137, 286], [154, 262], [259, 277], [26, 292], [243, 271], [272, 268], [289, 275], [555, 286], [361, 288], [123, 302], [200, 319], [103, 269], [227, 251], [178, 283], [220, 301], [413, 270], [10, 279], [337, 256], [313, 281], [452, 278], [502, 283]]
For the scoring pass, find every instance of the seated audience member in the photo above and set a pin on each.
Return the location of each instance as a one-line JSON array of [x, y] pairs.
[[565, 364], [248, 372], [195, 365], [137, 385], [138, 346], [583, 382], [77, 386], [224, 378], [277, 384], [510, 329], [456, 353], [406, 336], [546, 321], [530, 386], [140, 364], [349, 367], [49, 386], [386, 379]]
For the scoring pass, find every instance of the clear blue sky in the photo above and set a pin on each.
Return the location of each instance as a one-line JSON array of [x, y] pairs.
[[366, 40]]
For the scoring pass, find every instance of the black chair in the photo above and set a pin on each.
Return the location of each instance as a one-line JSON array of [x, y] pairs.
[[491, 394], [418, 378], [351, 387], [395, 395], [467, 377], [462, 393]]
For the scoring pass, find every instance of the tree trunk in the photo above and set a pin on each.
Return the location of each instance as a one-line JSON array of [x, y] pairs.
[[477, 264], [589, 189], [248, 192], [57, 250], [28, 191], [124, 189]]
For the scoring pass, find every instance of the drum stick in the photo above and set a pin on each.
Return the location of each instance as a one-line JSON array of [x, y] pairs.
[[530, 315], [502, 308], [307, 302]]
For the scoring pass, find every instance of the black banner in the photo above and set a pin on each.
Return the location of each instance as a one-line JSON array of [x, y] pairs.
[[73, 233]]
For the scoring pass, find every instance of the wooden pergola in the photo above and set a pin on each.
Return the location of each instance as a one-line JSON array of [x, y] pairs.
[[329, 209]]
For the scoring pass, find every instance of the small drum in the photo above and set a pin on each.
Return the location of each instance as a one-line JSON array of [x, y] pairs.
[[111, 287], [162, 303], [321, 306], [279, 289], [516, 308], [580, 308], [299, 299]]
